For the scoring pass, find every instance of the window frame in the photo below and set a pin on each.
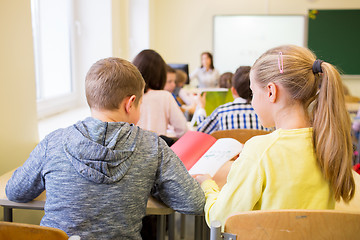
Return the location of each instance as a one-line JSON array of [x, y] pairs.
[[50, 106]]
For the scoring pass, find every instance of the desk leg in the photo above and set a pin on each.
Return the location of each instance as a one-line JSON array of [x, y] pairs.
[[160, 227], [171, 229], [182, 226], [205, 230], [8, 214], [198, 227]]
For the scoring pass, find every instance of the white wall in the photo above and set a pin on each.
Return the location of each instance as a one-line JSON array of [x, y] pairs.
[[93, 37], [139, 22]]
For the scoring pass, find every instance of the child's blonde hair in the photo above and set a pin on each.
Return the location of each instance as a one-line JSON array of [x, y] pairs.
[[109, 81], [181, 77], [323, 96]]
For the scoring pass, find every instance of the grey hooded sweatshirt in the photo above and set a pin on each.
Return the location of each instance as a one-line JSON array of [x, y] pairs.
[[98, 177]]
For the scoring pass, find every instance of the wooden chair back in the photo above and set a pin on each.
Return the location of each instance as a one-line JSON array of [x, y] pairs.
[[294, 224], [15, 231], [242, 135]]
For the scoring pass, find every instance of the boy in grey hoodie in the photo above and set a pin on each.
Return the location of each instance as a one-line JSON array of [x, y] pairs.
[[99, 172]]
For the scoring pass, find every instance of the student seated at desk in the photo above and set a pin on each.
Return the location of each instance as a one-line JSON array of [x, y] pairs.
[[99, 172], [232, 115], [170, 84], [158, 108], [185, 96], [306, 162]]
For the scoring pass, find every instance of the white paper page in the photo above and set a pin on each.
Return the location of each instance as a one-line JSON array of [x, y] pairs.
[[220, 152]]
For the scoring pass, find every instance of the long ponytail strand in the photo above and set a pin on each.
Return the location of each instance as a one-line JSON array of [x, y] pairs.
[[331, 138]]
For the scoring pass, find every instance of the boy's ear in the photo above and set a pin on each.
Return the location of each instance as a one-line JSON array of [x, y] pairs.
[[129, 103], [272, 92]]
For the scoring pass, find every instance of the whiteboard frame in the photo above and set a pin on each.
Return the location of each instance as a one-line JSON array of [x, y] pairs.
[[304, 40]]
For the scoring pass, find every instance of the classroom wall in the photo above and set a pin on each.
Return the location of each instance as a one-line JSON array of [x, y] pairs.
[[93, 37], [181, 29], [120, 28], [17, 92], [18, 121]]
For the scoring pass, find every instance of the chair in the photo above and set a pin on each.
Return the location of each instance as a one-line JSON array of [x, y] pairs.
[[242, 135], [15, 231], [289, 224]]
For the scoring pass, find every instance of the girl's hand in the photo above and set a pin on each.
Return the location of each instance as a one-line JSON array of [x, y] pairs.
[[201, 177]]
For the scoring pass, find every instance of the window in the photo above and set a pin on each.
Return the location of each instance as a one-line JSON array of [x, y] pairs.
[[52, 33]]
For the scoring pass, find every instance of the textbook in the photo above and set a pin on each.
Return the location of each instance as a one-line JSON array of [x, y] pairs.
[[216, 97], [201, 153]]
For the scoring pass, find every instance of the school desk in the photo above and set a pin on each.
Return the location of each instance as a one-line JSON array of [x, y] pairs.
[[154, 207]]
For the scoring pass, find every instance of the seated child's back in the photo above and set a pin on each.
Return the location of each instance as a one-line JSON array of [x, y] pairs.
[[159, 110], [99, 172]]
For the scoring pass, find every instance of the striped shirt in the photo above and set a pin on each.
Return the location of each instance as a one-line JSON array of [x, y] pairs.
[[233, 115]]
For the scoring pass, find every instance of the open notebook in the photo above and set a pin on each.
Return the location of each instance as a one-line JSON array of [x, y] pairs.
[[201, 153]]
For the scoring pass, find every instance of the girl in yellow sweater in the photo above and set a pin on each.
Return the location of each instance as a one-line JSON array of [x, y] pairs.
[[306, 162]]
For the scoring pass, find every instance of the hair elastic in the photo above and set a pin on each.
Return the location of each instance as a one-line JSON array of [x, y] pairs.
[[316, 67], [280, 59]]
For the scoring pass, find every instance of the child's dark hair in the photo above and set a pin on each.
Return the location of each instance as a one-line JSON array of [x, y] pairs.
[[109, 81], [241, 82], [225, 80], [153, 69]]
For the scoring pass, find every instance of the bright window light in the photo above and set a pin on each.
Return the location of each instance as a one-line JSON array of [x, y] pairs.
[[52, 50]]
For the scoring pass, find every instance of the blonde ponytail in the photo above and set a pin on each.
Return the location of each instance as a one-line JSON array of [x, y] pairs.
[[332, 140], [323, 94]]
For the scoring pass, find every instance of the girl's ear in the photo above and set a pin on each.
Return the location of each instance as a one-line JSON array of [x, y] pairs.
[[233, 91], [272, 92], [129, 103]]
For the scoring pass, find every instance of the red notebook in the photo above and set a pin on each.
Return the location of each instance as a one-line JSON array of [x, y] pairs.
[[202, 153]]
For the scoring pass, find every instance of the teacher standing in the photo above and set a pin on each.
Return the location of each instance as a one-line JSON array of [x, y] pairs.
[[207, 75]]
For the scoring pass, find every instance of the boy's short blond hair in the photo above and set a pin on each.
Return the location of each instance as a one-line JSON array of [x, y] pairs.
[[109, 81]]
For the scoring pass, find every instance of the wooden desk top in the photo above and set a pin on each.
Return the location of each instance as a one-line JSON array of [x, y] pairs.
[[154, 207]]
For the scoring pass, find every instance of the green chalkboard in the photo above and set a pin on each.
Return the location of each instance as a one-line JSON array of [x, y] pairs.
[[334, 36]]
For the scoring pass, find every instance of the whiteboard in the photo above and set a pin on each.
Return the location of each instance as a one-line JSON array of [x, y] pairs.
[[241, 39]]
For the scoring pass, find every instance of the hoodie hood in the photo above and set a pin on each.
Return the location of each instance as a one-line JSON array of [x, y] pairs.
[[100, 151]]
